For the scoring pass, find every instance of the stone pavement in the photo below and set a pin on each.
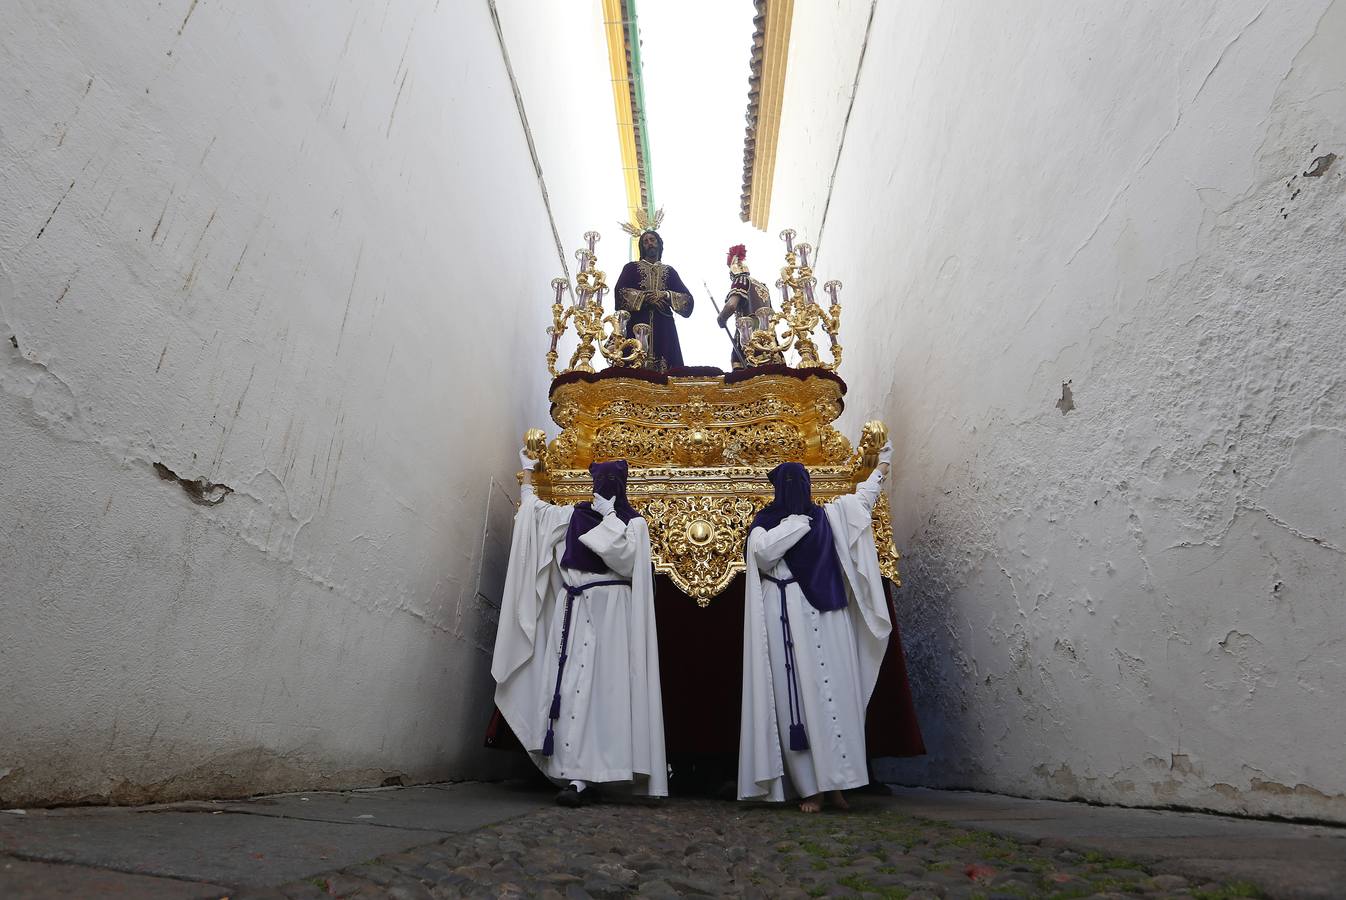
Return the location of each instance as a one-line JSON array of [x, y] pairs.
[[508, 840]]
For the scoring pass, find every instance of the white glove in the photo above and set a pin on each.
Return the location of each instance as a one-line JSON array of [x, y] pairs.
[[800, 517], [603, 506], [528, 463], [886, 454]]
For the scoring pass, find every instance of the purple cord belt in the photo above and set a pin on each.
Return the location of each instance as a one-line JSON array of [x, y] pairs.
[[798, 739], [549, 742]]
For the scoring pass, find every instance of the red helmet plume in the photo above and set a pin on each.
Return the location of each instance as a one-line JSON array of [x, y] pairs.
[[738, 251]]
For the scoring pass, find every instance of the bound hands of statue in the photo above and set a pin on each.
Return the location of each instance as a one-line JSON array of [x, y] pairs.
[[659, 300], [603, 506]]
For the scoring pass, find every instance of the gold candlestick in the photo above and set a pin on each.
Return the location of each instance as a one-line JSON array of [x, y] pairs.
[[586, 315], [800, 314], [559, 316]]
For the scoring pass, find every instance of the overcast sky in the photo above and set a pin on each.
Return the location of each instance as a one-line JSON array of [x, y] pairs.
[[696, 61]]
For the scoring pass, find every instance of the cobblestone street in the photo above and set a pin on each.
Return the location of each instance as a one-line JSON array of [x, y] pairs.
[[710, 848], [510, 840]]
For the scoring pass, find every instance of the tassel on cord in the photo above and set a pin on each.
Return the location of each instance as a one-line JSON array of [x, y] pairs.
[[549, 742], [798, 740]]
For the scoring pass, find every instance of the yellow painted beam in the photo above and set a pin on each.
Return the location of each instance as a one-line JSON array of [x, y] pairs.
[[775, 55], [614, 27]]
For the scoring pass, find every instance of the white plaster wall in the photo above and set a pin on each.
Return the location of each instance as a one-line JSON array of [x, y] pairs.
[[298, 251], [1138, 600], [559, 53], [826, 42]]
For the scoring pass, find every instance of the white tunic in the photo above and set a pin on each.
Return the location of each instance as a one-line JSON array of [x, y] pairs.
[[837, 657], [611, 726]]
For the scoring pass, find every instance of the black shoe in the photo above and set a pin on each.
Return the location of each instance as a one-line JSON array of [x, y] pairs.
[[571, 798]]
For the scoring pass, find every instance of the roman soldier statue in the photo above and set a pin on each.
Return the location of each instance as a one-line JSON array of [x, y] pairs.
[[652, 292], [746, 296]]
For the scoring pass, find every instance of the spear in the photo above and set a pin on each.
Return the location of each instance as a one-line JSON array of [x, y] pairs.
[[733, 343]]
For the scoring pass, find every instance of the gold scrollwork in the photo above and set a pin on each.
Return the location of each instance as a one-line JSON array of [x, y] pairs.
[[700, 421], [698, 446], [764, 443], [883, 541], [700, 452], [699, 540], [622, 440]]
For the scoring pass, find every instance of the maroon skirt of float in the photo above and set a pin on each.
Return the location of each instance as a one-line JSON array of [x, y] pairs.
[[701, 670]]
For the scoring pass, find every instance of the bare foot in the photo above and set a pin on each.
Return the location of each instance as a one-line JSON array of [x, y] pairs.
[[838, 800], [811, 804]]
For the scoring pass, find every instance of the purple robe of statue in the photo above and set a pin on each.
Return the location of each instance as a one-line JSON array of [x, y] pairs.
[[652, 292]]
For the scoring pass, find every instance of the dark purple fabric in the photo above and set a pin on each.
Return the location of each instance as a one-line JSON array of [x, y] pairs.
[[610, 482], [663, 330], [604, 374], [694, 372], [813, 560], [799, 739], [735, 377], [739, 375]]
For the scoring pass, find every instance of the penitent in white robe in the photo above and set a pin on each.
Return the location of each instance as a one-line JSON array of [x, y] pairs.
[[611, 724], [837, 655]]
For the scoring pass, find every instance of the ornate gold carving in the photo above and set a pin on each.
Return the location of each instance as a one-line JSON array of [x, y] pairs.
[[699, 421], [587, 317], [883, 541], [700, 532], [699, 540], [872, 438], [699, 452], [698, 446], [766, 442], [535, 443], [699, 516], [800, 313]]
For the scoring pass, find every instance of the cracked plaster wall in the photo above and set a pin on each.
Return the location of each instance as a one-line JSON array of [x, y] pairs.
[[1137, 600], [276, 277]]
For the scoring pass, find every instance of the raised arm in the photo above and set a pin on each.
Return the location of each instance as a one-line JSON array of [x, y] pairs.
[[867, 491], [766, 546], [615, 542]]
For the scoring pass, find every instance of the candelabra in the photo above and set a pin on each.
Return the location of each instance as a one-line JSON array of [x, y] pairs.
[[800, 313], [586, 315]]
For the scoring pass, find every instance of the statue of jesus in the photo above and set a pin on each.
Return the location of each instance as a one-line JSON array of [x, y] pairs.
[[652, 292]]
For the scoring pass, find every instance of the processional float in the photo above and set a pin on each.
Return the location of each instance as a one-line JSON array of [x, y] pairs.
[[699, 442]]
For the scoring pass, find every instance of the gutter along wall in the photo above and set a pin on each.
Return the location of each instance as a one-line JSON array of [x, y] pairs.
[[277, 284], [1094, 263]]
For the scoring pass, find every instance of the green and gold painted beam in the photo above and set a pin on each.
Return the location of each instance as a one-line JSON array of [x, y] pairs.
[[628, 98]]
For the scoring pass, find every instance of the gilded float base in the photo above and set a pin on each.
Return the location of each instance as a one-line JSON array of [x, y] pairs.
[[699, 453]]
